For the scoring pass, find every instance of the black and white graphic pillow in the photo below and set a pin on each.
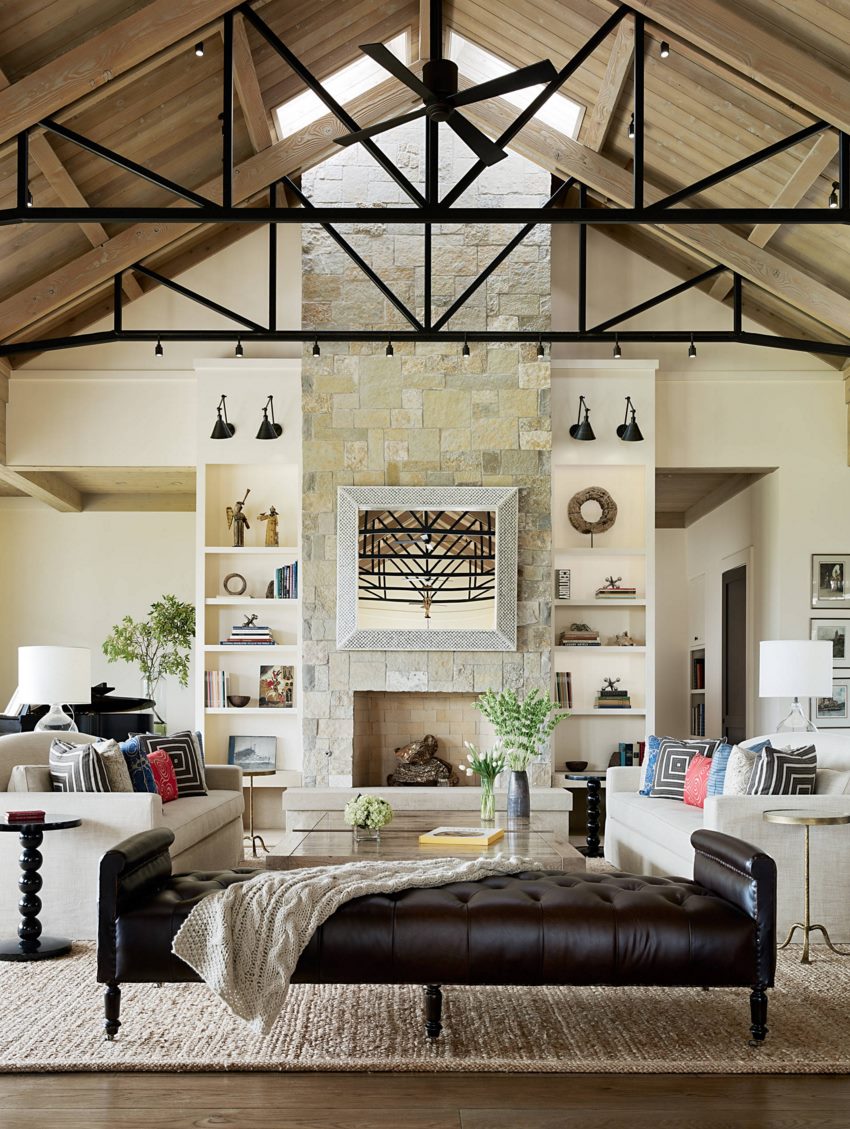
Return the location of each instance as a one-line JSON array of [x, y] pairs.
[[784, 772], [185, 753], [672, 765], [76, 768]]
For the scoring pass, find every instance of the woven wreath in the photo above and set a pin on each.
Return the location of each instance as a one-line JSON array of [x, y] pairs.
[[606, 503]]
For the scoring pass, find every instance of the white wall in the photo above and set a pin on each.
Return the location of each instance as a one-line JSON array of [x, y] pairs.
[[671, 653]]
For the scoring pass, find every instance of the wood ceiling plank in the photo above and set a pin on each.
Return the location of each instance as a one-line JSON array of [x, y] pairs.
[[5, 370], [47, 487], [598, 121], [731, 485], [248, 89], [92, 64], [792, 69], [425, 28]]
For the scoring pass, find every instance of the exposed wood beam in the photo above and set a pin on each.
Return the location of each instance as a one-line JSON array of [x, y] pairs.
[[425, 29], [5, 371], [98, 60], [792, 69], [664, 520], [597, 123], [788, 196], [45, 486], [139, 503], [248, 89], [720, 494]]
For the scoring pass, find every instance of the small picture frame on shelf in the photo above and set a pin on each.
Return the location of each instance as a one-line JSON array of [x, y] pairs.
[[836, 632], [830, 580], [253, 754], [277, 687], [833, 712]]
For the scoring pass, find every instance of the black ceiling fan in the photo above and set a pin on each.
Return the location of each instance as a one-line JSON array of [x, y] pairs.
[[438, 89]]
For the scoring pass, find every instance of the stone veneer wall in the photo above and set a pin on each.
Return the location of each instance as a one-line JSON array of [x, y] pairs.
[[422, 417]]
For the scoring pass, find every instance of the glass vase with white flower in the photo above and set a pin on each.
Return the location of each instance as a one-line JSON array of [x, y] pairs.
[[486, 764], [366, 815]]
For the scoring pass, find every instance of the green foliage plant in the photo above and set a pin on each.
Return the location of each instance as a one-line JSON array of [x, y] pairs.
[[522, 726], [159, 645]]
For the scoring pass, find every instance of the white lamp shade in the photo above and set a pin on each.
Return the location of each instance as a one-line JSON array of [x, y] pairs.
[[795, 668], [47, 675]]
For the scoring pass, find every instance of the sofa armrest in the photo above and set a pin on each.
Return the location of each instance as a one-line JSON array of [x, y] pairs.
[[623, 778], [223, 777], [742, 816], [133, 811], [30, 778]]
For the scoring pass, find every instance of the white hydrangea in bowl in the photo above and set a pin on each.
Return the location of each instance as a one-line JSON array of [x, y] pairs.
[[367, 815]]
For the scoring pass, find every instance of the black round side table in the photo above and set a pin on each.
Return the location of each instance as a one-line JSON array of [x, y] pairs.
[[30, 944]]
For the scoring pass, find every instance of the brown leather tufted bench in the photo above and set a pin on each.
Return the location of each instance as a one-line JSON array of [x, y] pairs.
[[534, 928]]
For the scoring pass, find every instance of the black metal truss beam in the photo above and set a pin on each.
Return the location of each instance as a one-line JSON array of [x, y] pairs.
[[200, 299], [650, 303]]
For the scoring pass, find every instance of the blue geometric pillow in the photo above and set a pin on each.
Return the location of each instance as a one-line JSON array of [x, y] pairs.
[[138, 765], [719, 760], [653, 744]]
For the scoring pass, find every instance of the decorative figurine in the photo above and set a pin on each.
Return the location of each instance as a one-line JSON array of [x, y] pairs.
[[238, 522], [610, 685], [250, 620], [623, 640], [271, 527], [612, 581]]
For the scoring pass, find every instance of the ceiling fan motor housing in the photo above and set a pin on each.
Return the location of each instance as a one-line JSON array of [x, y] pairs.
[[440, 76]]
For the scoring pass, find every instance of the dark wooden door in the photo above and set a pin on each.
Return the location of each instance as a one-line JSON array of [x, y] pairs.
[[734, 687]]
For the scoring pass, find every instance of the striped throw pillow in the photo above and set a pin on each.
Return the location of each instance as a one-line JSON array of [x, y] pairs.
[[76, 768], [784, 772]]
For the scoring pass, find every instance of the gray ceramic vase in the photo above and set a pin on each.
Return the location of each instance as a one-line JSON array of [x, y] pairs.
[[519, 796]]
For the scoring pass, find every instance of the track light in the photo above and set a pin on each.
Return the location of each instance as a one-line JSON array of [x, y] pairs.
[[199, 49], [268, 428], [389, 348], [29, 199], [631, 127], [628, 430], [664, 49], [581, 429], [238, 351], [618, 352], [465, 350], [541, 352], [692, 349], [158, 350], [222, 428], [833, 196], [317, 352]]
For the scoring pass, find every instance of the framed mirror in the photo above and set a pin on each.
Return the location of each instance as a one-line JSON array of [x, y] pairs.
[[427, 568]]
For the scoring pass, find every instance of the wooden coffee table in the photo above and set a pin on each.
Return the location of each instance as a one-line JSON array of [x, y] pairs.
[[325, 839]]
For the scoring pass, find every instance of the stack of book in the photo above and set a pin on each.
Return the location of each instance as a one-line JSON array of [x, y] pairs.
[[216, 689], [628, 753], [286, 582], [698, 676], [618, 593], [613, 700], [257, 635], [698, 720], [574, 638], [564, 689]]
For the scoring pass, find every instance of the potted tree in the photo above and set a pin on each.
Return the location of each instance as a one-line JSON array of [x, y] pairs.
[[159, 645]]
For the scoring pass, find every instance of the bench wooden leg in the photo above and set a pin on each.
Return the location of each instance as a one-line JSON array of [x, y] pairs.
[[433, 1010], [111, 1010], [758, 1014]]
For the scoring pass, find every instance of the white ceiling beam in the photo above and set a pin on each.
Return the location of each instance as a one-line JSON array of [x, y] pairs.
[[46, 487]]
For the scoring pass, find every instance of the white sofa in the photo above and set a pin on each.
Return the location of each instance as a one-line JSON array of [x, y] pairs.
[[652, 836], [207, 832]]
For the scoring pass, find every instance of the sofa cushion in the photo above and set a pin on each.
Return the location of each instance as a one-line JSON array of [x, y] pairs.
[[114, 765], [661, 821], [696, 781], [831, 782], [674, 756], [193, 818], [138, 766], [185, 752], [653, 748], [30, 778], [719, 761], [76, 768], [784, 772], [163, 774], [739, 769]]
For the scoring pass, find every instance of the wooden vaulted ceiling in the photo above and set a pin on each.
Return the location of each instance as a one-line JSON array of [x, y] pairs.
[[733, 83]]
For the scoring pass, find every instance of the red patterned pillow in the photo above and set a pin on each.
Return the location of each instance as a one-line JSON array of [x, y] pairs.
[[163, 774], [696, 781]]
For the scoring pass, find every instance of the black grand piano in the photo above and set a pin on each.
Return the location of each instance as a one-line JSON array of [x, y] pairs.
[[105, 716]]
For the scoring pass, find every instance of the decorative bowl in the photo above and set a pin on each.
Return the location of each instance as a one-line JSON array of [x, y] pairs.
[[576, 766], [238, 700]]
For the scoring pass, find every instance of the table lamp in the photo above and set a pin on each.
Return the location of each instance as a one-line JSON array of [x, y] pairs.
[[55, 676], [795, 668]]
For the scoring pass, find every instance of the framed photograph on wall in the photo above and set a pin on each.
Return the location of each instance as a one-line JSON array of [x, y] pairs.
[[830, 580], [833, 712], [836, 632], [253, 754]]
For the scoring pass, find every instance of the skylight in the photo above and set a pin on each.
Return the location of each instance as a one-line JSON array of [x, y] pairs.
[[345, 85], [478, 65]]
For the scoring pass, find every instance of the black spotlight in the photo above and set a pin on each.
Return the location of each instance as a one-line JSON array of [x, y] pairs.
[[692, 349], [631, 130], [618, 352], [581, 429], [268, 428], [389, 348], [317, 352], [222, 428], [465, 350], [628, 430], [833, 196], [199, 49], [158, 350], [238, 351], [541, 352], [664, 49]]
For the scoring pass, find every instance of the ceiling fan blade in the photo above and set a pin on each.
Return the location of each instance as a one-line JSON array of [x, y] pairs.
[[506, 83], [480, 144], [381, 127], [396, 67]]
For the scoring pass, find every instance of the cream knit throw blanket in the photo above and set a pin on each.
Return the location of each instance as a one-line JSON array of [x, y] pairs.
[[246, 940]]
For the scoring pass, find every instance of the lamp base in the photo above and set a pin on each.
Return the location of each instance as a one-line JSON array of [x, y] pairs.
[[796, 721], [57, 721]]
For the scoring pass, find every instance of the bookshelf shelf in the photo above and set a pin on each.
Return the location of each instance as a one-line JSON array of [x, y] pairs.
[[249, 601], [246, 648], [253, 550], [605, 650], [251, 711], [591, 603]]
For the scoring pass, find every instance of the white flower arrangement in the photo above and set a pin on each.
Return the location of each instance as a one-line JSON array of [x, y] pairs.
[[486, 763], [368, 811]]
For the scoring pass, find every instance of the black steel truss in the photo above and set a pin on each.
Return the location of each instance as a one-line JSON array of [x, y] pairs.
[[426, 210]]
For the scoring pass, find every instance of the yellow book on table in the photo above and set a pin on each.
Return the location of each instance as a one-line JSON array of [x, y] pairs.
[[462, 836]]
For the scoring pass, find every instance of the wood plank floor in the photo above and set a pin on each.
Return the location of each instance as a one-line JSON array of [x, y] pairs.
[[405, 1101]]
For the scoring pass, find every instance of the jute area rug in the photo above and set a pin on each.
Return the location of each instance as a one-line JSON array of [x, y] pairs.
[[53, 1022]]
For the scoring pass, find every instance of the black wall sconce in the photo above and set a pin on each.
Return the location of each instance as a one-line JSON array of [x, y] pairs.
[[628, 430], [268, 428], [223, 428], [581, 429]]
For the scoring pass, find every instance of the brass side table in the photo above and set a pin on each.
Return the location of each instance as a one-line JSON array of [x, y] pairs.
[[252, 837], [806, 819]]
